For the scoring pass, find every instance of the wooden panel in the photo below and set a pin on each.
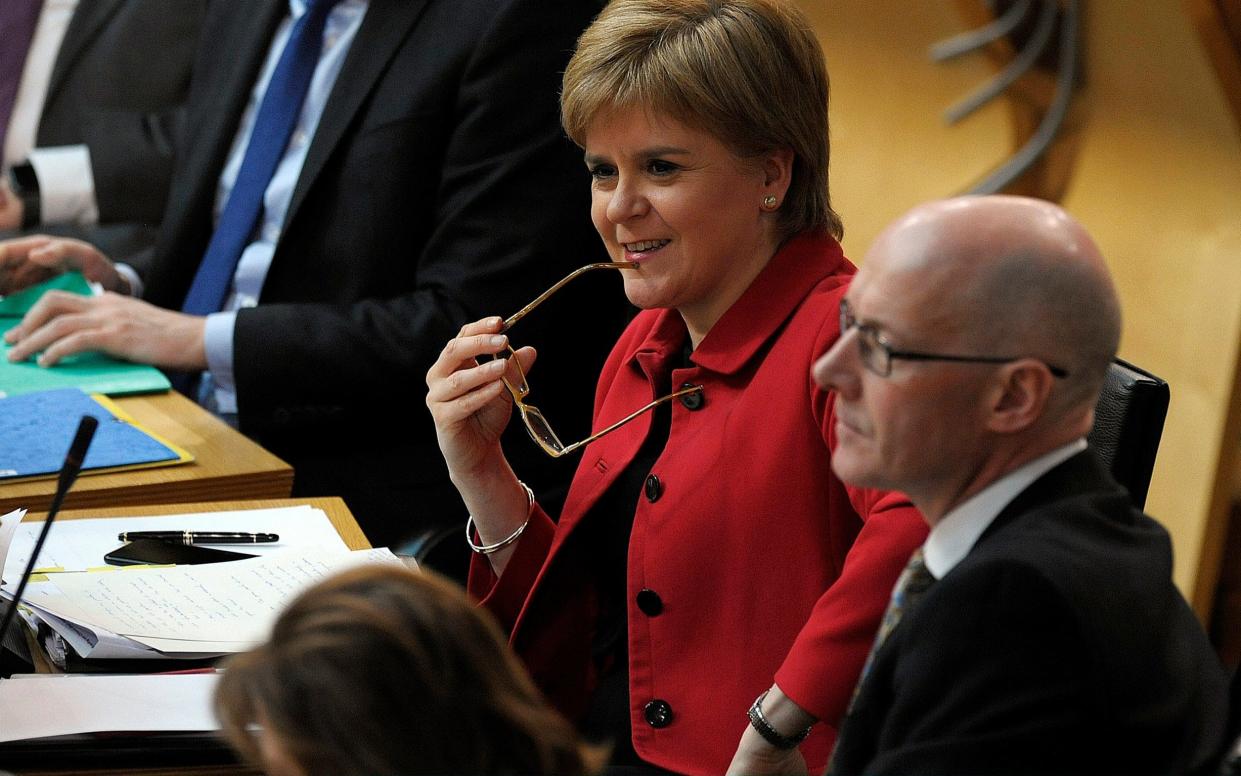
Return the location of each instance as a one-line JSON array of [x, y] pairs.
[[226, 465]]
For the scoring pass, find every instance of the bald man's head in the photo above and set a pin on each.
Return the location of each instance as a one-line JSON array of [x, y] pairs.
[[1012, 276]]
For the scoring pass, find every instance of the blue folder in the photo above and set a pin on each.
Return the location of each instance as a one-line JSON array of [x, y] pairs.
[[37, 428]]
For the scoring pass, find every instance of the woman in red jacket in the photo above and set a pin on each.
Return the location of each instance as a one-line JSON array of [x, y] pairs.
[[706, 554]]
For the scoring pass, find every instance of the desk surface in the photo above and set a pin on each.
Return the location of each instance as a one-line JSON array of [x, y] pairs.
[[226, 465], [337, 513]]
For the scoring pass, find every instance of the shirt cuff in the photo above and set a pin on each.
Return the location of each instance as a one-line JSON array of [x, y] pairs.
[[130, 274], [218, 341], [66, 185]]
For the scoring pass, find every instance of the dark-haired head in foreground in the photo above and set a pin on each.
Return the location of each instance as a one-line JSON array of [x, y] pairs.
[[381, 670]]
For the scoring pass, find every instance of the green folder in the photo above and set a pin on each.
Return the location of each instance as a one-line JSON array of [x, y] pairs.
[[92, 372]]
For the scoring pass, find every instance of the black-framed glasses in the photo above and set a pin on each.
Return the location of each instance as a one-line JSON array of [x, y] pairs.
[[535, 422], [877, 355]]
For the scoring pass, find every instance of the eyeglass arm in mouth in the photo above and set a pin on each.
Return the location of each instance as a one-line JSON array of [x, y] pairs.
[[541, 298]]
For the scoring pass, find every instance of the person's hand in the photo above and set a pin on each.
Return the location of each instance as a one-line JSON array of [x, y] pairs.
[[756, 757], [12, 209], [61, 324], [26, 261], [468, 400]]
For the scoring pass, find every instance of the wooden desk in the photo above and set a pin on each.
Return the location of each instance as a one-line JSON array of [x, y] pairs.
[[337, 513], [226, 465]]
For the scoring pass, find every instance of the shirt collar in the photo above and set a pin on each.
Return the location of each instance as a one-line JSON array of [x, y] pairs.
[[954, 535], [793, 272]]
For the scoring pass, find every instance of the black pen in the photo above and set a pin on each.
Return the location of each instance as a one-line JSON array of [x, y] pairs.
[[200, 537]]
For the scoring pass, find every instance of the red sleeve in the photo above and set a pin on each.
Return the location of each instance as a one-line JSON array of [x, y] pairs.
[[506, 595], [823, 665]]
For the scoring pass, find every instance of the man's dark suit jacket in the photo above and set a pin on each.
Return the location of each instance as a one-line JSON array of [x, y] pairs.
[[118, 85], [438, 189], [1058, 645]]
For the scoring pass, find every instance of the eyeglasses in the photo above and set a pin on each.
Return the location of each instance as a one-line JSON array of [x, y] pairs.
[[877, 355], [533, 419]]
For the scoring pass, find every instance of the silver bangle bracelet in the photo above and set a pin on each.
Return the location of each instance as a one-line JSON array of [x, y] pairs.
[[487, 549]]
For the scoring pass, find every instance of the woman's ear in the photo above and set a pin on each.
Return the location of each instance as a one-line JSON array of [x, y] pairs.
[[778, 172]]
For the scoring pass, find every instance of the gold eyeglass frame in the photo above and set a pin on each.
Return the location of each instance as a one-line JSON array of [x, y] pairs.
[[536, 423]]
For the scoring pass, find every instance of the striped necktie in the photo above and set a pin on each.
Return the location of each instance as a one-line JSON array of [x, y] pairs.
[[913, 583]]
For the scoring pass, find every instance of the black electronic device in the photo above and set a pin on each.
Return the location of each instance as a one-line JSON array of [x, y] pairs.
[[158, 553]]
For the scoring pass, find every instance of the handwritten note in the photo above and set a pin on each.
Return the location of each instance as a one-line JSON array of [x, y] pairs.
[[234, 603]]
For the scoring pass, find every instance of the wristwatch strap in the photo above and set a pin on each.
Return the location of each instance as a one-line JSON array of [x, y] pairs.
[[759, 722], [24, 183]]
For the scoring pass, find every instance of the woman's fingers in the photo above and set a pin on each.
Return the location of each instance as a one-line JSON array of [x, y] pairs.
[[460, 382]]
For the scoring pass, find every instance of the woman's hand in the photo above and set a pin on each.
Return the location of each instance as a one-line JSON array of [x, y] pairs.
[[468, 400]]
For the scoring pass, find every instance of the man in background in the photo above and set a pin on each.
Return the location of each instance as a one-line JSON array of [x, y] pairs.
[[1038, 629], [91, 93], [360, 179]]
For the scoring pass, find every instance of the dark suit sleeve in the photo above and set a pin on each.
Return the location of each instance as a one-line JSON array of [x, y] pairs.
[[990, 680], [131, 161], [512, 193]]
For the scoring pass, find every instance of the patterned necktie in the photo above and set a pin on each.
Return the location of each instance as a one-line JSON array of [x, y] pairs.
[[18, 18], [273, 126], [913, 583]]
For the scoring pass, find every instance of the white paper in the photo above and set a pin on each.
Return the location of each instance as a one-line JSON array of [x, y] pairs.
[[8, 529], [41, 705], [200, 607], [77, 545]]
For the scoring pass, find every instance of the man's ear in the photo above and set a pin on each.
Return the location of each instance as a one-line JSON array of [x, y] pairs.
[[1020, 395]]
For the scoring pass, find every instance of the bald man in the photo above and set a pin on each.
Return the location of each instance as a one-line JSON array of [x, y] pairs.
[[1038, 629]]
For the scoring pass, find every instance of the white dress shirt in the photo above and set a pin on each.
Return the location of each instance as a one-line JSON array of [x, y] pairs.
[[954, 535], [66, 182]]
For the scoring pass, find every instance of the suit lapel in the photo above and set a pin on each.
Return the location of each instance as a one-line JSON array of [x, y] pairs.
[[88, 19], [229, 83], [383, 30]]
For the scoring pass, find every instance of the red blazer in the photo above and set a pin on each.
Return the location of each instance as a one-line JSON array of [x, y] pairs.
[[766, 566]]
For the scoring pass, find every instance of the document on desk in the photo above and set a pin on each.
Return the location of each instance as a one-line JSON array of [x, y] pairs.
[[218, 607], [8, 529], [78, 545], [42, 705]]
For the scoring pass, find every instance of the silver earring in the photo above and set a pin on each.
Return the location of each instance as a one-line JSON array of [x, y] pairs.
[[769, 202]]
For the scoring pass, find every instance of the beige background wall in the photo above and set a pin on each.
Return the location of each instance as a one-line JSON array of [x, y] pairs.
[[1157, 181]]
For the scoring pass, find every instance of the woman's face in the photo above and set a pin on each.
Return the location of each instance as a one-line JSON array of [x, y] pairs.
[[685, 208]]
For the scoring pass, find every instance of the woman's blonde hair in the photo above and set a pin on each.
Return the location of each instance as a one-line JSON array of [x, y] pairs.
[[749, 72], [381, 670]]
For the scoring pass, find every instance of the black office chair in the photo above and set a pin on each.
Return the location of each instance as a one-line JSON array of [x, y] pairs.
[[441, 549], [1128, 424]]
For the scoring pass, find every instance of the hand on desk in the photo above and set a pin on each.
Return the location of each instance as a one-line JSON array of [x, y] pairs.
[[61, 324], [29, 260]]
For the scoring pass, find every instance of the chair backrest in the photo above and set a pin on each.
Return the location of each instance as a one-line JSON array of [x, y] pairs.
[[1128, 424]]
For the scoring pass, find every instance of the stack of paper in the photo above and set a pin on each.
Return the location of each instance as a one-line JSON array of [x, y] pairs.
[[189, 611], [173, 612], [41, 705]]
